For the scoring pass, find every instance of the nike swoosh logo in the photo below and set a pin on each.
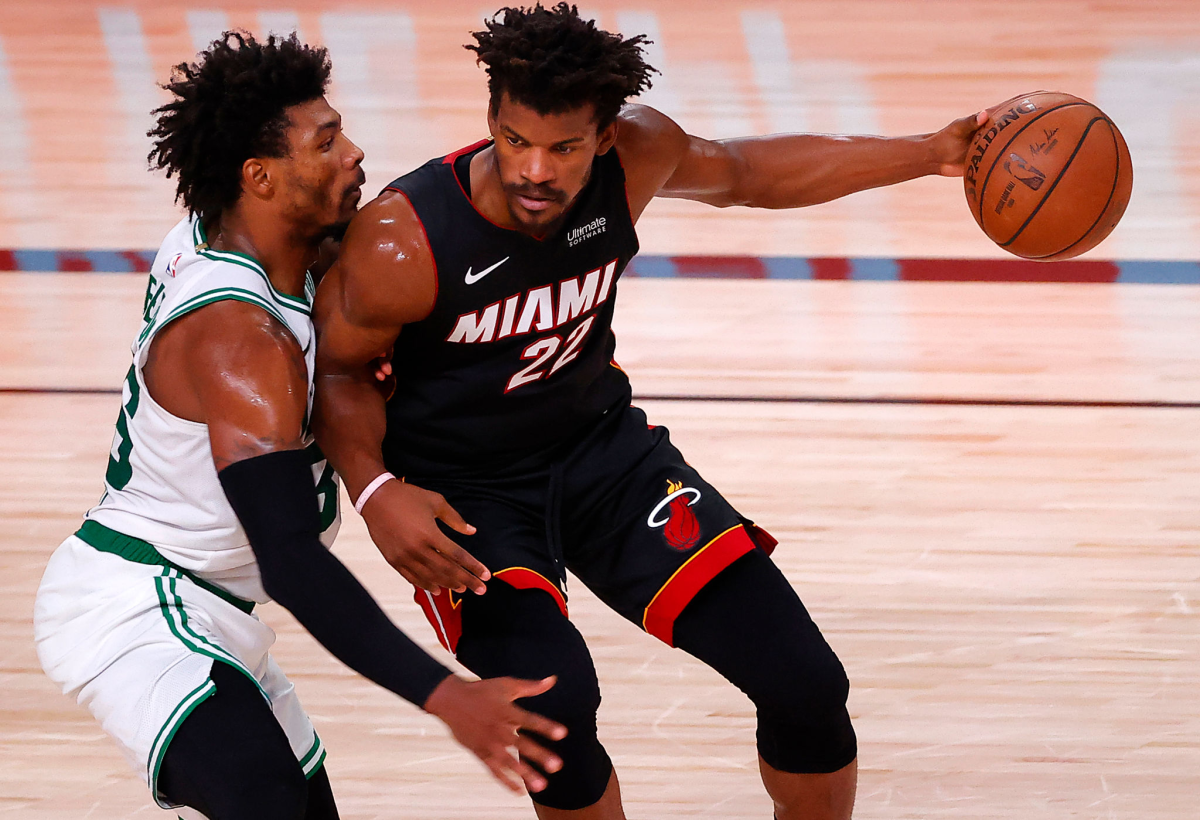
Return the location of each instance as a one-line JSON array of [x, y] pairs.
[[470, 280]]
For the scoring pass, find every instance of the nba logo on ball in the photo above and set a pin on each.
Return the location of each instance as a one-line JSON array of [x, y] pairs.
[[681, 530]]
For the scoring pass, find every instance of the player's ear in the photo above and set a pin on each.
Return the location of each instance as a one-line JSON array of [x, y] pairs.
[[607, 138], [256, 178], [491, 119]]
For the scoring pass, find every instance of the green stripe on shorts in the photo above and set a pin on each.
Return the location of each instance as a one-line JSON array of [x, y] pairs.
[[162, 741]]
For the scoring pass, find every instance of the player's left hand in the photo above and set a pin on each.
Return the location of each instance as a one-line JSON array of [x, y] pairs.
[[949, 146], [483, 718]]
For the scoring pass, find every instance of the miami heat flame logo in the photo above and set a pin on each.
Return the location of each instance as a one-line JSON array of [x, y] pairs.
[[680, 527]]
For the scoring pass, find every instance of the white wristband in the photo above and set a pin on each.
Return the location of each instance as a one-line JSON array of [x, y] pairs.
[[379, 481]]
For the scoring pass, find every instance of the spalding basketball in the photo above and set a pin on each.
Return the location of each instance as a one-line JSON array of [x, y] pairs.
[[1048, 176]]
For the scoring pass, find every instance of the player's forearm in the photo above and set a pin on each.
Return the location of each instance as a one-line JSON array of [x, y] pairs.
[[349, 421], [275, 500], [794, 170]]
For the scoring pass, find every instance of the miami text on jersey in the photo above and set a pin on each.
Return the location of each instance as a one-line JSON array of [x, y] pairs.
[[537, 309]]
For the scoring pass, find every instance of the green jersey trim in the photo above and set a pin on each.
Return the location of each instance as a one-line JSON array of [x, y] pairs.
[[303, 305], [224, 294], [138, 551]]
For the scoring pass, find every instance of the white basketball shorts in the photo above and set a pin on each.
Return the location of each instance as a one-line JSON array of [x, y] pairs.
[[134, 643]]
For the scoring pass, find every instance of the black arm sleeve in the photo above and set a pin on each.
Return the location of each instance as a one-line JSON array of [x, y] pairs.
[[275, 498]]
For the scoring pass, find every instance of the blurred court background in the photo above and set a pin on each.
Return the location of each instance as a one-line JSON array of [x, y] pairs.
[[986, 492]]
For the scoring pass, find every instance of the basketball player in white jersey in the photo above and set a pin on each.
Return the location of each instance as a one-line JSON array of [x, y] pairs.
[[215, 497]]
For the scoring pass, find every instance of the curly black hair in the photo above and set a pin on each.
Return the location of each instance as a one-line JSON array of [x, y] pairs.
[[552, 60], [231, 105]]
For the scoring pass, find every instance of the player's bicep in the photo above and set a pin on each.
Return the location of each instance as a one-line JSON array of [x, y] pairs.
[[383, 279], [661, 159], [251, 381], [350, 331], [708, 171]]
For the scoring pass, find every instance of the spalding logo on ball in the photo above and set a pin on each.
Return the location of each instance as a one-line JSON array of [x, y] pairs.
[[1048, 177]]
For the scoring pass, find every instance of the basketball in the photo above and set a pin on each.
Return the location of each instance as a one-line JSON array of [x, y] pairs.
[[1048, 176]]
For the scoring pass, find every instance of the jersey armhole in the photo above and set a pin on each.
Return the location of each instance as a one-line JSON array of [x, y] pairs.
[[625, 190], [203, 299]]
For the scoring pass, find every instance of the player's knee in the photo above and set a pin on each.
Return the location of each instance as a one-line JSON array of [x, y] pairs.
[[803, 723], [812, 745], [575, 696], [803, 682], [523, 633]]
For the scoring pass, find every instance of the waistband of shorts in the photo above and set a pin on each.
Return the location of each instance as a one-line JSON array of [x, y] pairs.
[[100, 537]]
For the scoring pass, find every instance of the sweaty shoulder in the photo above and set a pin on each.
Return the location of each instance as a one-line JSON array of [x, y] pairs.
[[385, 272], [238, 369], [650, 145]]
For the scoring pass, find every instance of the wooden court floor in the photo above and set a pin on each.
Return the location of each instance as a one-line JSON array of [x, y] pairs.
[[78, 80], [1015, 590]]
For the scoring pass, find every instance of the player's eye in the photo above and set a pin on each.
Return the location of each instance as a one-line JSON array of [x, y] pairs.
[[513, 141], [565, 149]]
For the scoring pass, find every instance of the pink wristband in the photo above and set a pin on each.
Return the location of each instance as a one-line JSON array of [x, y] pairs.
[[379, 481]]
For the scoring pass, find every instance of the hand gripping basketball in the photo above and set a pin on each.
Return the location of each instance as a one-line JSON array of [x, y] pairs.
[[1049, 177], [483, 718], [949, 146]]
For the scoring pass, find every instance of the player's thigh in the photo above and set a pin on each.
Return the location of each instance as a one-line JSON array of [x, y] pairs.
[[749, 624], [510, 540], [643, 529], [525, 633], [230, 759]]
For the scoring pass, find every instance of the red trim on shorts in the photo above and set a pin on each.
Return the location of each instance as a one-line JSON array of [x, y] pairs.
[[762, 539], [444, 613], [525, 578], [680, 588]]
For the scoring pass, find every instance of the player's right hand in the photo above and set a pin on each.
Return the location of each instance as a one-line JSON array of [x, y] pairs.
[[483, 718], [402, 520]]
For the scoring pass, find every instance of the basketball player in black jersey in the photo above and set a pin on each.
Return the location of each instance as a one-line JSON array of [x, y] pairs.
[[493, 273]]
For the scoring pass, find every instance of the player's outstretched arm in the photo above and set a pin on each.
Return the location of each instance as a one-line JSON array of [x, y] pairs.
[[781, 170], [383, 279], [243, 374]]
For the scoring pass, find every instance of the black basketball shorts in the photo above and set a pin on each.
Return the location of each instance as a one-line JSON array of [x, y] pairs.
[[621, 509]]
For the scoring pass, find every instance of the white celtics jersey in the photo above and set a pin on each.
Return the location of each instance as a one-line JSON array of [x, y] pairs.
[[161, 485]]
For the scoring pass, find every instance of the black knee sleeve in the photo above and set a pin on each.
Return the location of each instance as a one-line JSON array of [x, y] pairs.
[[231, 760], [522, 633], [749, 625]]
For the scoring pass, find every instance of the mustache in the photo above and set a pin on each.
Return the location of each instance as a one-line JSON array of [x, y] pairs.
[[360, 179], [537, 191]]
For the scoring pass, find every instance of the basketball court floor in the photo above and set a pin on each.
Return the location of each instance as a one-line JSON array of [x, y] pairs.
[[987, 493]]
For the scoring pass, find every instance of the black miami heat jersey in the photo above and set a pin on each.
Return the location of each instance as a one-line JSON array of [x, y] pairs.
[[516, 356]]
